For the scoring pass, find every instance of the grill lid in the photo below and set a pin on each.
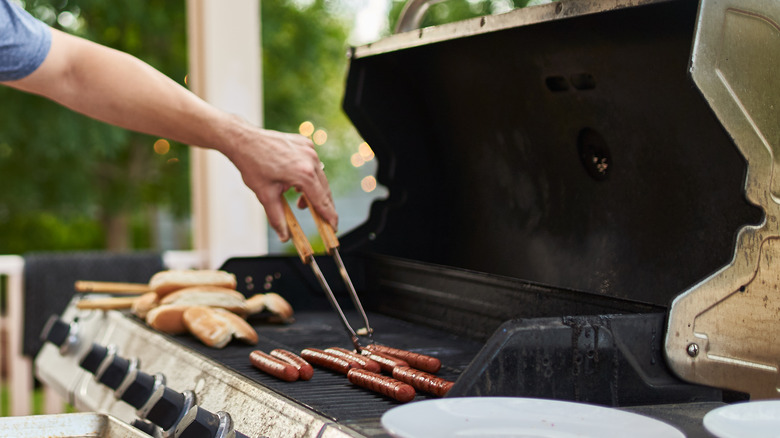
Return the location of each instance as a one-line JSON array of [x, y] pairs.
[[571, 152]]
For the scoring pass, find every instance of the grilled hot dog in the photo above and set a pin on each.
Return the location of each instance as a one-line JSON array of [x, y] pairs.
[[363, 361], [386, 362], [273, 366], [415, 360], [327, 360], [423, 381], [384, 385], [305, 370]]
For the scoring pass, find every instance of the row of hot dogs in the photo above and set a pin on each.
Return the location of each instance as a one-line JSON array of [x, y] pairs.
[[405, 372]]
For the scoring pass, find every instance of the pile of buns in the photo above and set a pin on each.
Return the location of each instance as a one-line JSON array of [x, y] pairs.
[[206, 304]]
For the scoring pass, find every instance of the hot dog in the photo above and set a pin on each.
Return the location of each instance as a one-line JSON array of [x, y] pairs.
[[273, 366], [305, 370], [386, 362], [384, 385], [423, 381], [364, 362], [326, 360], [415, 360]]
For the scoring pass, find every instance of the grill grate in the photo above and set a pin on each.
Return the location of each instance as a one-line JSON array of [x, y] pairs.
[[328, 393]]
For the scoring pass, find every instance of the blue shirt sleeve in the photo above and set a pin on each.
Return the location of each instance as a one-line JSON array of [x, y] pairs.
[[24, 42]]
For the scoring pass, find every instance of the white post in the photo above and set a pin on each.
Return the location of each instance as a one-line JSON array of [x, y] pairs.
[[224, 53], [20, 377]]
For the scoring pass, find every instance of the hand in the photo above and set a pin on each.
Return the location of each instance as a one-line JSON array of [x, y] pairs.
[[271, 162]]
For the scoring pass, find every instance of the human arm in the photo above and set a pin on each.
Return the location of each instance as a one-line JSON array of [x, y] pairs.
[[117, 88]]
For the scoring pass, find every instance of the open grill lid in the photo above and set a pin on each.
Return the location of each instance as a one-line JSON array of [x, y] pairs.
[[573, 151]]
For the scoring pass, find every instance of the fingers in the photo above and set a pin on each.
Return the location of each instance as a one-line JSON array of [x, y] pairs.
[[321, 200], [275, 213]]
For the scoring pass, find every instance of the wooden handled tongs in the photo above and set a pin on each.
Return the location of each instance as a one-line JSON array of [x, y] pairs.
[[305, 251]]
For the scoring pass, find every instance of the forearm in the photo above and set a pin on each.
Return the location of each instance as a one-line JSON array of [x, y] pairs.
[[119, 89]]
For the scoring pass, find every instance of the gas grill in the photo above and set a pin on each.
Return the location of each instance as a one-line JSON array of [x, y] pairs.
[[571, 194]]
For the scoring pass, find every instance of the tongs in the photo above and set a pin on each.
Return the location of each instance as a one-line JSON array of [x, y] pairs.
[[305, 251]]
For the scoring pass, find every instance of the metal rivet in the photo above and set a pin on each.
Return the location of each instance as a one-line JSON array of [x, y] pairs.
[[693, 350]]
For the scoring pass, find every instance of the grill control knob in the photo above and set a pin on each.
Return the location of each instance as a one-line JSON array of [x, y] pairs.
[[167, 410], [94, 358], [145, 427], [61, 334], [139, 391], [55, 331], [114, 372], [200, 423]]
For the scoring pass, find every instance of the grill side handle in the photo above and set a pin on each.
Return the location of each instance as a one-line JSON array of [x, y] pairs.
[[412, 14], [722, 332]]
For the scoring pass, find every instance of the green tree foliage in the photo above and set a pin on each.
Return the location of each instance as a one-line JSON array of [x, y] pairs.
[[74, 183]]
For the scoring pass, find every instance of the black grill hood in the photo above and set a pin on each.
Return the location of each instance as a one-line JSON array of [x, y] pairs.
[[573, 152]]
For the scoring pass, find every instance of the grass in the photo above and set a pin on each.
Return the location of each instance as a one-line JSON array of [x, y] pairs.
[[37, 402]]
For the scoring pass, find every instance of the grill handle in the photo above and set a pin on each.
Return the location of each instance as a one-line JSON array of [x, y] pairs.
[[412, 14], [327, 234], [299, 239]]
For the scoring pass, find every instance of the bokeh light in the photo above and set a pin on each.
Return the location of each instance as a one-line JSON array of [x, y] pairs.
[[161, 146], [357, 160], [306, 129], [368, 184], [319, 137], [365, 152]]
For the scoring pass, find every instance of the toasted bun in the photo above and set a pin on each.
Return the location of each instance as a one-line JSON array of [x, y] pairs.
[[241, 329], [167, 319], [216, 327], [165, 282], [278, 305], [204, 325], [210, 296], [143, 304], [255, 304]]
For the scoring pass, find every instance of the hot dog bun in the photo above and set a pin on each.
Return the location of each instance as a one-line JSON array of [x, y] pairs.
[[216, 327], [143, 304], [278, 305], [210, 296], [167, 319], [165, 282], [255, 304]]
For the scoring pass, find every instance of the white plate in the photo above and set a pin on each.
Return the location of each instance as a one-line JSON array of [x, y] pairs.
[[755, 419], [518, 417]]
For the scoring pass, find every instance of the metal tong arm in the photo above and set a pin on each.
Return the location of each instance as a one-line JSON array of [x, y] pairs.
[[306, 253], [332, 244]]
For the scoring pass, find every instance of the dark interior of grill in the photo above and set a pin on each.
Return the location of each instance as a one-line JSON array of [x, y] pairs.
[[575, 153]]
